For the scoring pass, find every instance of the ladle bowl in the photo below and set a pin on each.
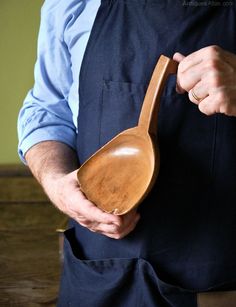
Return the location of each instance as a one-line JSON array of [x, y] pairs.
[[122, 172], [113, 186]]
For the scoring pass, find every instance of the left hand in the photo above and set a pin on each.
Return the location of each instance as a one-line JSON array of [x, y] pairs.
[[209, 77]]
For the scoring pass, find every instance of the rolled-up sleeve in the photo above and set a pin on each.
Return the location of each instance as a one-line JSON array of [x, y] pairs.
[[45, 114]]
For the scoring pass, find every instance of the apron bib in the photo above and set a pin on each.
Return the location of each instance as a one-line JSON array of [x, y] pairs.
[[184, 242]]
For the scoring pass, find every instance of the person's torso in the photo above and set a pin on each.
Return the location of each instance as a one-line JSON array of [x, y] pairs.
[[187, 225]]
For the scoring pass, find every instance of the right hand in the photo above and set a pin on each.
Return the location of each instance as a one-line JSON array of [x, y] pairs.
[[65, 193]]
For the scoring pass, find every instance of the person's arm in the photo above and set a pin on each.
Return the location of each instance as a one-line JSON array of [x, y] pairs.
[[54, 165], [46, 114], [47, 133], [209, 76]]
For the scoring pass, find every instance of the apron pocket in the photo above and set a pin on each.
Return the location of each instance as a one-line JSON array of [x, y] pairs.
[[121, 106], [187, 141], [99, 282], [125, 282]]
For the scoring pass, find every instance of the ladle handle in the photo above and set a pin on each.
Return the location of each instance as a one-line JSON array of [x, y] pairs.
[[148, 116]]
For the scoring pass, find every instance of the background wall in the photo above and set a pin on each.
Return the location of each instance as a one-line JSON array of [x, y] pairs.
[[19, 23]]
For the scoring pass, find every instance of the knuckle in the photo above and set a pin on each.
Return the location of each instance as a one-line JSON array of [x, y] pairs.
[[213, 51], [203, 108], [119, 222], [216, 81], [222, 98], [213, 64], [184, 82], [116, 228], [225, 109], [180, 68]]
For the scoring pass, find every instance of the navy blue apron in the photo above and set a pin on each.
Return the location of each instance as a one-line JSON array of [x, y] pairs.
[[185, 240]]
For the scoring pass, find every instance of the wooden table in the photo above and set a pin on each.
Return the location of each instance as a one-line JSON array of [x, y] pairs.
[[29, 253]]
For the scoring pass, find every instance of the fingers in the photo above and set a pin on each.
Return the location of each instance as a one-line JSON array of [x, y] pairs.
[[219, 102], [207, 107], [194, 67], [90, 216], [188, 73], [188, 79], [124, 230], [89, 211], [74, 203], [178, 57], [208, 75], [199, 56], [198, 93], [128, 223]]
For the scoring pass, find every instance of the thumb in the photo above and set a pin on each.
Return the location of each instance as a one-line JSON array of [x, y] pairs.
[[178, 57]]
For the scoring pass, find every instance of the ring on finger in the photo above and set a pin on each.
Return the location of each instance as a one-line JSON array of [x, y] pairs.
[[195, 96]]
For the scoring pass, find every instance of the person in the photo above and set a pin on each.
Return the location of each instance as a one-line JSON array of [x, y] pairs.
[[93, 66]]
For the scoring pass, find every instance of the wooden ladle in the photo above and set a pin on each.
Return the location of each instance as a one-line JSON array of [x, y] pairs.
[[122, 172]]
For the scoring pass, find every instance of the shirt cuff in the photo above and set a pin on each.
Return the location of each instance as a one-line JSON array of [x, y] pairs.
[[51, 133]]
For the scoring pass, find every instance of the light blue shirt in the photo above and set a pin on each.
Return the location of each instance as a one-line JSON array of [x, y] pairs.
[[50, 109]]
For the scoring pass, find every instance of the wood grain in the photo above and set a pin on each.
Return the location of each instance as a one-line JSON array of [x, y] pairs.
[[29, 257], [17, 185], [29, 249], [14, 170], [120, 174]]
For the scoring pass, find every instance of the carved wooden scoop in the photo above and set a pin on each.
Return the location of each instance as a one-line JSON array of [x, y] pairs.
[[121, 173]]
